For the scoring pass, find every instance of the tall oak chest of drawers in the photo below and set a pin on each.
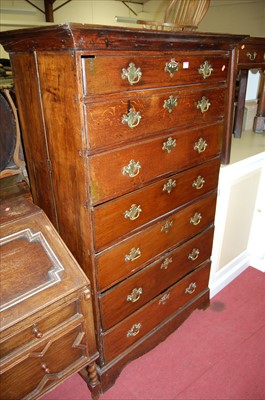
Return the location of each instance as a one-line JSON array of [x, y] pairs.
[[123, 135]]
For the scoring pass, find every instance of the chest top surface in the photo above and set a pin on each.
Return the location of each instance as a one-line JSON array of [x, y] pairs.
[[109, 38]]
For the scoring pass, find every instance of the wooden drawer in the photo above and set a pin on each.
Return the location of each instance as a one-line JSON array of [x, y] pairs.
[[144, 113], [43, 365], [149, 71], [121, 260], [38, 330], [127, 297], [142, 206], [122, 170], [252, 54], [140, 323]]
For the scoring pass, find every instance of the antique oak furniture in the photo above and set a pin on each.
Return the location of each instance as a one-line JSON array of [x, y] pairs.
[[47, 328], [123, 136]]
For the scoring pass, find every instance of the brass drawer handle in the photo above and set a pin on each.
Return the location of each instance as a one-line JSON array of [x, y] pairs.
[[132, 169], [133, 255], [132, 119], [194, 254], [200, 146], [169, 144], [164, 299], [135, 295], [45, 368], [132, 73], [252, 57], [135, 329], [169, 186], [196, 219], [133, 213], [203, 104], [191, 288], [198, 183], [167, 226], [205, 69], [36, 332], [172, 66], [170, 103], [166, 263]]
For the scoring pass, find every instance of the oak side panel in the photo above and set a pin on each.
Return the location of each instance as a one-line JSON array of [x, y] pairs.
[[33, 130], [66, 143], [60, 87]]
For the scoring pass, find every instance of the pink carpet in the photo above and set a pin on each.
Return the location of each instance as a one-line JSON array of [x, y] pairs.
[[216, 354]]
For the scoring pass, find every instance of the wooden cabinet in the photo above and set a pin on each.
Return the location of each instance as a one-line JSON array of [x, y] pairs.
[[47, 328], [123, 136], [251, 53]]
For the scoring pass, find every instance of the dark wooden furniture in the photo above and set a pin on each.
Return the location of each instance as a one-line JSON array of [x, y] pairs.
[[250, 55], [12, 161], [123, 135], [47, 327]]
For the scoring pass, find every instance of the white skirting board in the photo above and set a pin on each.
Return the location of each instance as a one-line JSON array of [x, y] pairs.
[[257, 263], [228, 273], [232, 270]]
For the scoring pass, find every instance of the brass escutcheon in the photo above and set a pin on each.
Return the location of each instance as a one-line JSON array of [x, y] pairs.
[[166, 263], [196, 219], [198, 183], [132, 118], [132, 73], [169, 144], [169, 186], [133, 255], [167, 226], [194, 254], [132, 169], [205, 69], [135, 329], [203, 104], [172, 66], [200, 146], [135, 295], [170, 103], [191, 288], [164, 299], [133, 213]]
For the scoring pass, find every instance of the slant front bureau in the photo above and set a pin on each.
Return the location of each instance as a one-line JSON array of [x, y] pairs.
[[123, 136], [47, 328]]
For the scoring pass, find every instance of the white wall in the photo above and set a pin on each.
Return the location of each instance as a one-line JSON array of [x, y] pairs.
[[228, 16], [239, 238], [253, 85], [18, 13], [256, 244], [235, 16]]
